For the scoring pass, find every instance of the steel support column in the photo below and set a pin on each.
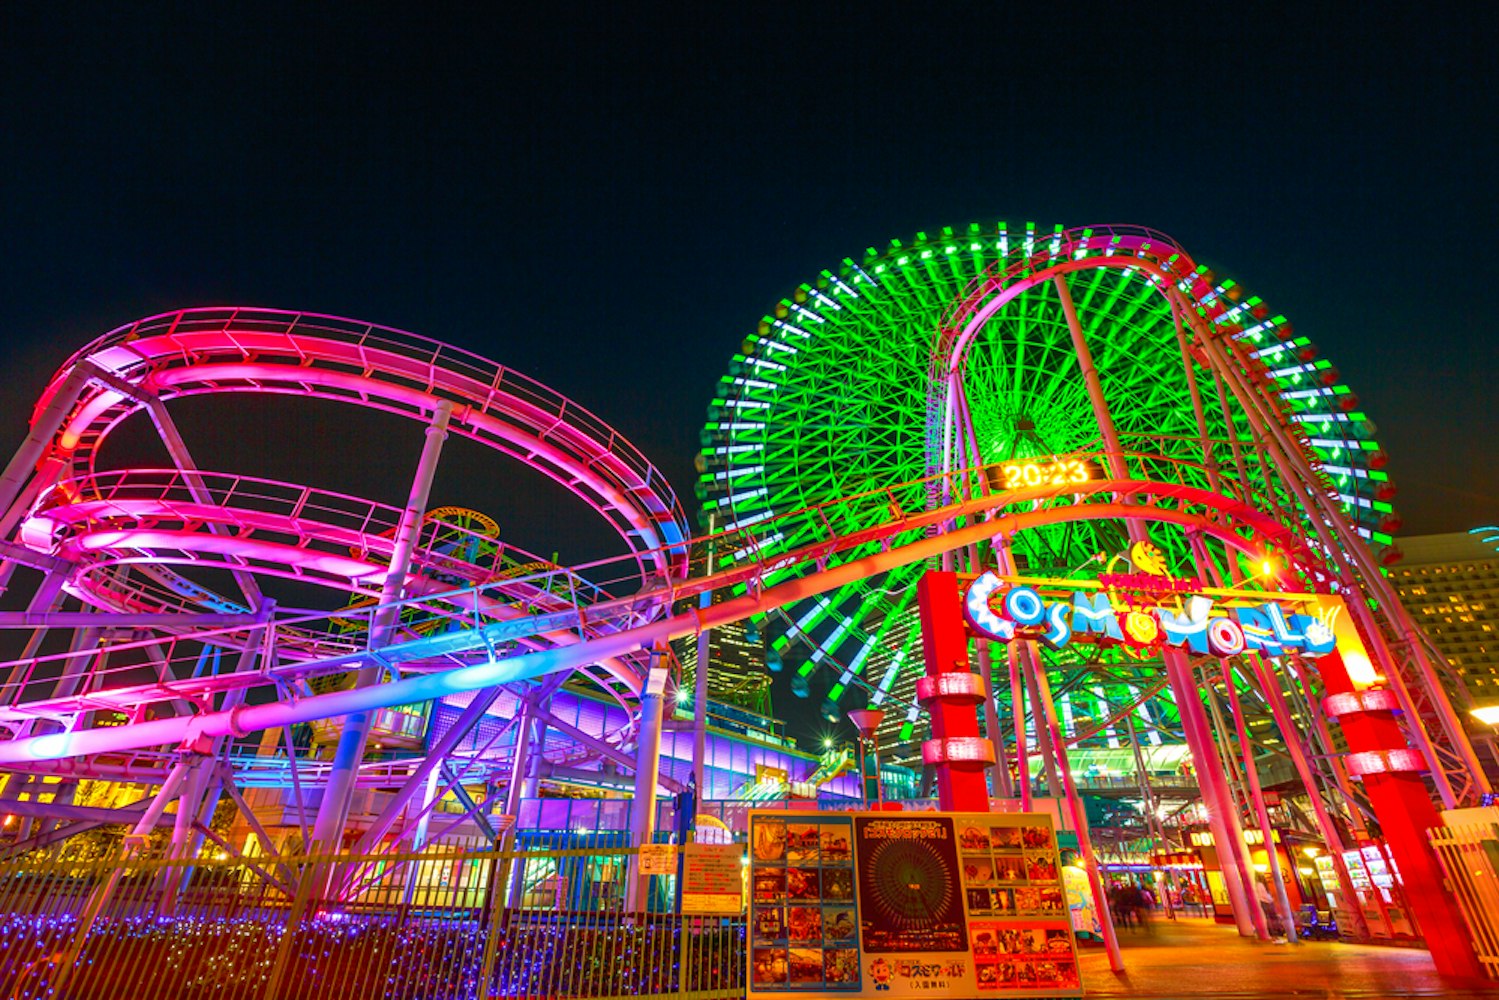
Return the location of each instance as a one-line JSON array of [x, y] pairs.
[[700, 685], [426, 771], [1261, 812], [1331, 836], [647, 766], [1046, 715], [999, 774], [1006, 563], [1046, 742], [333, 814], [1223, 819], [134, 840], [1017, 703], [530, 741]]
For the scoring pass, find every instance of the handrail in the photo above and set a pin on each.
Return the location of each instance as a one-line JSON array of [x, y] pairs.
[[626, 613], [217, 350]]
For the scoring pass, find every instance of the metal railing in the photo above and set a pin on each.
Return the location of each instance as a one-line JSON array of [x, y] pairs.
[[440, 923], [1467, 853]]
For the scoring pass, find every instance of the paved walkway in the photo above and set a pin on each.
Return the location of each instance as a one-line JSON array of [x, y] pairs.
[[1193, 958]]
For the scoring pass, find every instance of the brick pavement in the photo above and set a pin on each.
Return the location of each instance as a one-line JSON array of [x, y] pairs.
[[1194, 958]]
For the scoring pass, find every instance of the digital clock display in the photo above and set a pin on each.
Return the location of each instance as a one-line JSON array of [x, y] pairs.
[[1044, 472]]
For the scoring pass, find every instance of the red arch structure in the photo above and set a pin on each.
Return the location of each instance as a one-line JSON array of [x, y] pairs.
[[622, 629], [127, 544], [1332, 556]]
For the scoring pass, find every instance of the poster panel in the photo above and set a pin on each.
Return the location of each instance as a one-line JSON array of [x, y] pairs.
[[803, 914], [894, 905]]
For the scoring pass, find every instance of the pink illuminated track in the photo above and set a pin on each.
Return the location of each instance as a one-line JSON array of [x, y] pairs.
[[152, 546], [460, 661], [224, 351]]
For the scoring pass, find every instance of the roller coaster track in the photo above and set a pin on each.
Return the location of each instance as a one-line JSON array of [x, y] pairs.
[[469, 659], [155, 518], [129, 543], [490, 626], [215, 351]]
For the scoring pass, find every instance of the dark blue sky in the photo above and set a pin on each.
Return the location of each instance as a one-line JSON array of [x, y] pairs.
[[609, 199]]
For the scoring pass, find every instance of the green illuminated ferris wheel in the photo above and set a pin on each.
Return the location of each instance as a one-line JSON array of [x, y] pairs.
[[839, 392]]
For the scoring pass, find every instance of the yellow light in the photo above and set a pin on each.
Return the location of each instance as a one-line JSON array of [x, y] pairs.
[[1360, 670], [1311, 852], [1267, 567], [1487, 714], [1142, 628]]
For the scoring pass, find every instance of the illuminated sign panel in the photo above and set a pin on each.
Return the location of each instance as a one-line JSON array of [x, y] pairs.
[[1029, 473], [890, 906], [1153, 614], [1052, 472]]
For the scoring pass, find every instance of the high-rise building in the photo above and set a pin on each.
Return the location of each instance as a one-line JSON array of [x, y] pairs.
[[1450, 585]]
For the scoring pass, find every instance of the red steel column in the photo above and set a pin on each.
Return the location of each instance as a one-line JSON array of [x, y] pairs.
[[1045, 710], [1389, 767], [1223, 813], [950, 692]]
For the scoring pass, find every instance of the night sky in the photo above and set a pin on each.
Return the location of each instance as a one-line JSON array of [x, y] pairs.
[[609, 199]]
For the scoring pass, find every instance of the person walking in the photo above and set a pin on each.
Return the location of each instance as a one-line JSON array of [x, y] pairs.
[[1121, 905], [1273, 922]]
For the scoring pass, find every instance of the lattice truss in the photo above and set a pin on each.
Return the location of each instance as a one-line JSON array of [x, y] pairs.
[[838, 391], [155, 604]]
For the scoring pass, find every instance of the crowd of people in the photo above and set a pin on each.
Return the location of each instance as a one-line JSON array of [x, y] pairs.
[[1132, 905]]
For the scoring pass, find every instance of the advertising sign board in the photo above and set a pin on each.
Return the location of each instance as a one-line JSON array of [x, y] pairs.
[[893, 905]]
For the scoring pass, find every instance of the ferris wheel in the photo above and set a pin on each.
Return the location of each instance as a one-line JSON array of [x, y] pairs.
[[953, 351]]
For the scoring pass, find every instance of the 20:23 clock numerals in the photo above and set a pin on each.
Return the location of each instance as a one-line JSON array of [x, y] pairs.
[[1059, 473]]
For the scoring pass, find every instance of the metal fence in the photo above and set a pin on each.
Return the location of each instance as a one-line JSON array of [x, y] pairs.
[[441, 923], [1469, 854]]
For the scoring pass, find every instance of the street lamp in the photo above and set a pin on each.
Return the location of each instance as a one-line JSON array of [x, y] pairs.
[[867, 722], [1487, 714]]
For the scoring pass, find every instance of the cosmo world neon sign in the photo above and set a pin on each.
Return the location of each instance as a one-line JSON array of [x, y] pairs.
[[999, 610]]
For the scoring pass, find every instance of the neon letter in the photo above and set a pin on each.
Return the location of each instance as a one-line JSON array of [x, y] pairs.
[[1023, 606], [1225, 637], [1058, 632], [1191, 627], [1095, 615], [1258, 633], [976, 609]]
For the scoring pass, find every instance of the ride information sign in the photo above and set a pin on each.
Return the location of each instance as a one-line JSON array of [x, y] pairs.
[[658, 859], [712, 879], [892, 905]]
